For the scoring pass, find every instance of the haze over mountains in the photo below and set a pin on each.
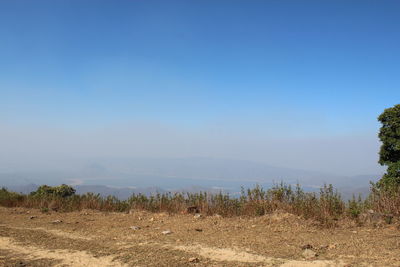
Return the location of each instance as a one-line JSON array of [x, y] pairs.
[[122, 177], [123, 96]]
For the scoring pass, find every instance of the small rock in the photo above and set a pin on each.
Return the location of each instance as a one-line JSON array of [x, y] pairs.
[[135, 227], [151, 219], [166, 232], [332, 246], [32, 217], [354, 232], [308, 254], [56, 221], [253, 226], [198, 230], [198, 216], [194, 260]]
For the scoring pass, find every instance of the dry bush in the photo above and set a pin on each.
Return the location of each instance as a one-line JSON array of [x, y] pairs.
[[384, 200]]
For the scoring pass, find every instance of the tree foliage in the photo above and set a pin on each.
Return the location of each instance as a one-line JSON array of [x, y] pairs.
[[389, 154], [58, 191]]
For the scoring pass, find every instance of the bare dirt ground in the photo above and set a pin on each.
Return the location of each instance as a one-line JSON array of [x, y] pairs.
[[91, 238]]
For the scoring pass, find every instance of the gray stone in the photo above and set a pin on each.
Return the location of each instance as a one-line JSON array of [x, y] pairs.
[[198, 216], [166, 232], [308, 254]]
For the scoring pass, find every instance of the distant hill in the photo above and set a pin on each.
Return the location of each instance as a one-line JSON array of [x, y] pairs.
[[123, 176]]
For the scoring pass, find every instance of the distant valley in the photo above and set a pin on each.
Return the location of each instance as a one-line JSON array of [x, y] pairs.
[[122, 177]]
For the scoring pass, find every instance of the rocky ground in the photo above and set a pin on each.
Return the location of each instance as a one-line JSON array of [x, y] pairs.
[[91, 238]]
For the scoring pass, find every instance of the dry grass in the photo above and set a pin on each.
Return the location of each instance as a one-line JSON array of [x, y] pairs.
[[326, 207]]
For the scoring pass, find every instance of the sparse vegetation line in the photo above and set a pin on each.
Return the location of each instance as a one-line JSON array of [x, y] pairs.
[[327, 206]]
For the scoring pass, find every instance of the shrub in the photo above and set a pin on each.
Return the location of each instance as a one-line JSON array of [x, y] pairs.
[[56, 191], [355, 207], [10, 199], [384, 199]]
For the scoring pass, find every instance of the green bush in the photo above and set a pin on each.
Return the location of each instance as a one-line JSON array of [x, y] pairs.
[[62, 191], [355, 207]]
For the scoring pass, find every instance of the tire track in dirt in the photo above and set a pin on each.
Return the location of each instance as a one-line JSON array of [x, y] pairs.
[[51, 231], [235, 255], [66, 257]]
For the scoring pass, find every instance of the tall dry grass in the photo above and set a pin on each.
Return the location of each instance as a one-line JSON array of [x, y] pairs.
[[326, 206]]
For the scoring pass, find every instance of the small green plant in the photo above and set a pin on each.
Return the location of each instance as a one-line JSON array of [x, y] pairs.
[[355, 207], [44, 210]]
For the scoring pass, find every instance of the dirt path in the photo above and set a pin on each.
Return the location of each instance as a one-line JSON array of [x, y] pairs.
[[232, 255], [30, 238], [62, 256]]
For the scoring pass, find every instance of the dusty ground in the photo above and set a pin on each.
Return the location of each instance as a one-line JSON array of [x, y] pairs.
[[90, 238]]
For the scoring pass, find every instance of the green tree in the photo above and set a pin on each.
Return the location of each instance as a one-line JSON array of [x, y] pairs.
[[389, 154], [58, 191]]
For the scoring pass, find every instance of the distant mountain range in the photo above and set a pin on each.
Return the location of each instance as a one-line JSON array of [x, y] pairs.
[[120, 192], [122, 177]]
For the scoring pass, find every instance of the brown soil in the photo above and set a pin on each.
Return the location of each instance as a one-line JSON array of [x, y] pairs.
[[91, 238]]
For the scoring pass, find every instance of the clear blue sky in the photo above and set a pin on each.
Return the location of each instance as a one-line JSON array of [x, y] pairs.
[[298, 68]]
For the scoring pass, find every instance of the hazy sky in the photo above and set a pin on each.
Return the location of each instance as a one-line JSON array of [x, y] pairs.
[[291, 83]]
